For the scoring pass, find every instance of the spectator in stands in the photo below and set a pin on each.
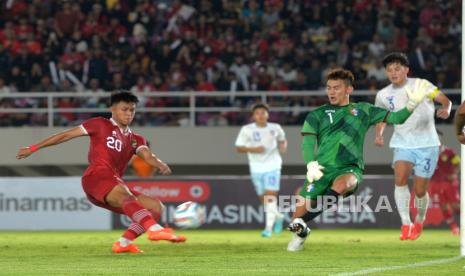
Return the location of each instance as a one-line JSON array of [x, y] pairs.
[[66, 20], [97, 66], [202, 84], [35, 75], [376, 47], [45, 85], [4, 88], [287, 73], [242, 72], [376, 71]]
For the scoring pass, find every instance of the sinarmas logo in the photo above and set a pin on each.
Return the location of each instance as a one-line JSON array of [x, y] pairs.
[[39, 204]]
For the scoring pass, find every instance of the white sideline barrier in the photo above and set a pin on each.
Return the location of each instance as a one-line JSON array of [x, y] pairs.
[[48, 203]]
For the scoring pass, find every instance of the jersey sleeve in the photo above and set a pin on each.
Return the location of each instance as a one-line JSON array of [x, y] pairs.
[[433, 90], [311, 125], [379, 102], [377, 114], [140, 143], [281, 134], [242, 138], [92, 126]]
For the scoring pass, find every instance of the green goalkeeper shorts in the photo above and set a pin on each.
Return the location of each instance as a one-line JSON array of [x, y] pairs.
[[321, 186]]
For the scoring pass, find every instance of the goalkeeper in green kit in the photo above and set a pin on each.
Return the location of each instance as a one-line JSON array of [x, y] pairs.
[[338, 131]]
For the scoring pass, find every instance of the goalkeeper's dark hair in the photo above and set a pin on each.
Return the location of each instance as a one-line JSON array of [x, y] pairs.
[[123, 96], [341, 74], [260, 105], [396, 57]]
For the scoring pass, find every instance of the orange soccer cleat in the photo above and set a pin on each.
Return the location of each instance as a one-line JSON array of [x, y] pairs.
[[131, 248], [406, 231], [165, 234], [416, 231]]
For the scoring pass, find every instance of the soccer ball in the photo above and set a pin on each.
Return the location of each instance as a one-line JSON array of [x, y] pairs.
[[189, 215]]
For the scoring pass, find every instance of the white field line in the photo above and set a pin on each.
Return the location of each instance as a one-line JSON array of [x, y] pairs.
[[398, 267]]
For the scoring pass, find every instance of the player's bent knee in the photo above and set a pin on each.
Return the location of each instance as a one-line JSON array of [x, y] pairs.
[[118, 199], [150, 203], [117, 196]]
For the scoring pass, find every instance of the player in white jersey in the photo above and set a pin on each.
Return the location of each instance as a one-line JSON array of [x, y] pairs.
[[264, 142], [415, 143]]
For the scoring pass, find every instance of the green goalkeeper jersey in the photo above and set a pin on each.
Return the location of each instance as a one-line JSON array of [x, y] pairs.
[[340, 132]]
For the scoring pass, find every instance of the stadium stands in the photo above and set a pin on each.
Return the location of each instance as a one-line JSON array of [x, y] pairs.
[[172, 45]]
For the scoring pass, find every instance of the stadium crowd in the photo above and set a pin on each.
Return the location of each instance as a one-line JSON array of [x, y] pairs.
[[230, 45]]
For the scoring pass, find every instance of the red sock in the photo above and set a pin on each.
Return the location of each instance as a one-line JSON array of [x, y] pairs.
[[156, 215], [133, 209], [134, 230], [447, 214]]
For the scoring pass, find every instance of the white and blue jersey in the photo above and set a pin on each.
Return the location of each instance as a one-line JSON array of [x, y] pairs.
[[265, 168], [416, 140], [419, 130]]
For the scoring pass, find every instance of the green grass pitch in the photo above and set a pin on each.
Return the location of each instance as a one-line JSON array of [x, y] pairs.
[[221, 252]]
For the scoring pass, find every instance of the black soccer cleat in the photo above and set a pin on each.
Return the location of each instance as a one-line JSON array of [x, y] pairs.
[[297, 226]]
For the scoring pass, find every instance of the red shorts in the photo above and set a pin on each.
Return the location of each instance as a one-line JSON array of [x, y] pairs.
[[444, 192], [98, 182]]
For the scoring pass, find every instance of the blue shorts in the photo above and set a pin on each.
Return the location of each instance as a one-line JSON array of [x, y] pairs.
[[424, 160], [267, 181]]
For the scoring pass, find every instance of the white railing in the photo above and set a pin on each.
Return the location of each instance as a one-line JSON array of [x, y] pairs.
[[192, 108]]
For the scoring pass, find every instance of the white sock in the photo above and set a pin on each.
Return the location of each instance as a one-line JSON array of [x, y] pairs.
[[270, 215], [273, 207], [155, 227], [422, 207], [124, 242], [402, 198]]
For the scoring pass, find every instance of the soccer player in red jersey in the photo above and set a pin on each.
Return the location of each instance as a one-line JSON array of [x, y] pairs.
[[112, 144], [444, 187]]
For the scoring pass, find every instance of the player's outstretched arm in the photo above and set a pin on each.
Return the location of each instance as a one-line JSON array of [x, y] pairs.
[[446, 106], [398, 117], [459, 122], [149, 157], [55, 139], [314, 170]]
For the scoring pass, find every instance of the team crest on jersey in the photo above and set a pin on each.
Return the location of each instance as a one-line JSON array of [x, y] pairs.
[[134, 143], [444, 157], [113, 133], [354, 111]]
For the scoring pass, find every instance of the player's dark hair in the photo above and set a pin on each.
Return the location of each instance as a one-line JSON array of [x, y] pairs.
[[396, 57], [123, 96], [260, 105], [341, 74]]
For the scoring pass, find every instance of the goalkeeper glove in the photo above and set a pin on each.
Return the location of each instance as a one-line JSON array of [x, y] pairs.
[[314, 171], [417, 93]]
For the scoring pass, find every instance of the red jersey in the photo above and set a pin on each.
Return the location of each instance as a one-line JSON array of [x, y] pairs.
[[110, 147], [447, 164]]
